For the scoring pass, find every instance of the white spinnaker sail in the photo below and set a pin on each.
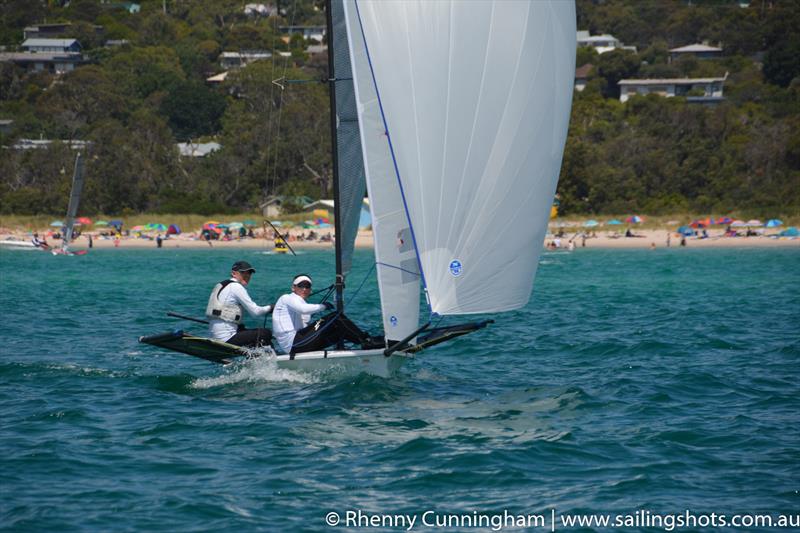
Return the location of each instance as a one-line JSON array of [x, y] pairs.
[[396, 261], [476, 98]]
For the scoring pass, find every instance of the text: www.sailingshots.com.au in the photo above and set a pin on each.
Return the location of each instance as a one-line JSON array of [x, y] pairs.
[[552, 520]]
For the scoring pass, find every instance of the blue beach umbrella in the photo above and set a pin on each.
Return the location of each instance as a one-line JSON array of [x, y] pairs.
[[790, 232], [686, 231], [614, 222], [773, 223], [56, 223], [591, 223]]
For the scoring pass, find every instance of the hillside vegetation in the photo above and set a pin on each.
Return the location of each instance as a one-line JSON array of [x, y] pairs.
[[134, 102]]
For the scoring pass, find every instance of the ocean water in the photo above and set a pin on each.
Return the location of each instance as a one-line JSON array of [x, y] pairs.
[[658, 382]]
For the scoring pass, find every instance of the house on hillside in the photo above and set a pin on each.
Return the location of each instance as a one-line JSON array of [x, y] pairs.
[[695, 90], [67, 46], [602, 43], [228, 60], [45, 31], [40, 144], [308, 32], [699, 51], [6, 125], [582, 76], [260, 10], [191, 149], [47, 55]]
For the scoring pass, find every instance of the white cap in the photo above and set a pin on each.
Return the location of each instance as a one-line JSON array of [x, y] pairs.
[[301, 278]]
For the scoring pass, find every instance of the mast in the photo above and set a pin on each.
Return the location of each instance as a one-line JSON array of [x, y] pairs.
[[337, 219]]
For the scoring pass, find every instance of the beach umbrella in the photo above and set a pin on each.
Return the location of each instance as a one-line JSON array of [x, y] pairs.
[[724, 220], [634, 219], [137, 228], [790, 232], [155, 227], [754, 223], [613, 222], [738, 224], [173, 229], [591, 223], [774, 223], [84, 220], [56, 223], [101, 223], [235, 225], [116, 223], [686, 231], [250, 223], [211, 222]]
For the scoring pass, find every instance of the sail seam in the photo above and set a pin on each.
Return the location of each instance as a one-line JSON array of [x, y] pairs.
[[391, 151]]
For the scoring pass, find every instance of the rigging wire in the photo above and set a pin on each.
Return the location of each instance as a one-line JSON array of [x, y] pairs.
[[272, 183]]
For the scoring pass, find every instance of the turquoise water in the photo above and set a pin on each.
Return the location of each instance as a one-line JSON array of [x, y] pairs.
[[663, 381]]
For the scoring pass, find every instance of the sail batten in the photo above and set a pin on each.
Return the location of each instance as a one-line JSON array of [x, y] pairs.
[[475, 98]]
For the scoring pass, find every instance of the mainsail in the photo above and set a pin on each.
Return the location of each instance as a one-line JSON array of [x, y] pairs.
[[350, 183], [395, 258], [74, 201], [472, 101]]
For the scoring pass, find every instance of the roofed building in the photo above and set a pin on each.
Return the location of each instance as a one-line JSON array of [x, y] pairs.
[[700, 51], [711, 88]]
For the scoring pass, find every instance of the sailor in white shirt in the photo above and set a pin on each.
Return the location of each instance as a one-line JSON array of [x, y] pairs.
[[290, 321], [226, 306]]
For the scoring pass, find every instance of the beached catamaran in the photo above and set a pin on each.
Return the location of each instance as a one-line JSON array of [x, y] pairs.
[[453, 116]]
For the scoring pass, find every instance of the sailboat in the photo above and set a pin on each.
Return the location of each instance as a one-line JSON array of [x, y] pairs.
[[72, 210], [453, 116]]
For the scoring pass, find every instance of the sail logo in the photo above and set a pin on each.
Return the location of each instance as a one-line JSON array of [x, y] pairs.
[[393, 321], [455, 268]]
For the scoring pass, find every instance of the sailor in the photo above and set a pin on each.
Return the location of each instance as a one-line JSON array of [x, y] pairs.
[[226, 306], [294, 334], [39, 243]]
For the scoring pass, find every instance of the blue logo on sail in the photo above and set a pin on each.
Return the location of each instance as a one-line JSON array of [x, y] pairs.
[[393, 321], [455, 267]]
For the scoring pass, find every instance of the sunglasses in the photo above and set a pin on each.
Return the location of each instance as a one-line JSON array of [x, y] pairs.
[[303, 285]]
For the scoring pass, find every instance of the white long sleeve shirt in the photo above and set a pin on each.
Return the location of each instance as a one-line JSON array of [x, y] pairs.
[[292, 313], [234, 294]]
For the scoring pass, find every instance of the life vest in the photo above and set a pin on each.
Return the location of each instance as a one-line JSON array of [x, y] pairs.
[[227, 312]]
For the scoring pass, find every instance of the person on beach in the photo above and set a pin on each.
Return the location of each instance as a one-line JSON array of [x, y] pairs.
[[226, 305], [294, 334], [159, 241]]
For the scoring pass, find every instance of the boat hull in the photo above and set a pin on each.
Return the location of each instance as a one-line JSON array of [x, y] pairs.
[[345, 361], [371, 362]]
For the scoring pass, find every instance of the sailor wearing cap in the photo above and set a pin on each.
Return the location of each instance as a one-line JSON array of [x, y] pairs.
[[226, 306], [292, 315]]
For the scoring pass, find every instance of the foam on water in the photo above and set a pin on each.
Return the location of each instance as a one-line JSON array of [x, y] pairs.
[[254, 370]]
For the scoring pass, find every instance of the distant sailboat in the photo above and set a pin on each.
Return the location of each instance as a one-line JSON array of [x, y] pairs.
[[72, 210], [453, 115]]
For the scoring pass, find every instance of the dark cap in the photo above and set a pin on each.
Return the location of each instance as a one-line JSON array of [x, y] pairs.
[[242, 266]]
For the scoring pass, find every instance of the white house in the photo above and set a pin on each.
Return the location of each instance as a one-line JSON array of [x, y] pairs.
[[669, 87], [602, 43], [191, 149]]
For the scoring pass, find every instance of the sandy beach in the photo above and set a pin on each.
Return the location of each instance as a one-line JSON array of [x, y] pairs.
[[653, 238]]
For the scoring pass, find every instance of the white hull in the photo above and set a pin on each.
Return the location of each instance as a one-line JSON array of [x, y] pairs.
[[348, 361], [17, 245]]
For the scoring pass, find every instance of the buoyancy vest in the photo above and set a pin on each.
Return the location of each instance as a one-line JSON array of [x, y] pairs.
[[227, 312]]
